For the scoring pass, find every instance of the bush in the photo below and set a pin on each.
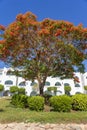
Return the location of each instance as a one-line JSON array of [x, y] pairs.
[[13, 89], [36, 103], [79, 102], [19, 100], [1, 87], [21, 91], [61, 103]]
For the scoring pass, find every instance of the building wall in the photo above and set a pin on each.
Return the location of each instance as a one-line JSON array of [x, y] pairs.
[[11, 80]]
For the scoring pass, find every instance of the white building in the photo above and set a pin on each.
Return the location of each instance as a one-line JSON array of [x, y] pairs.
[[8, 80]]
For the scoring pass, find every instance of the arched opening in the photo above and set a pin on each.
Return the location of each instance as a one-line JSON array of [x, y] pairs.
[[8, 82], [47, 83], [66, 84], [22, 84], [9, 72], [77, 85], [57, 84]]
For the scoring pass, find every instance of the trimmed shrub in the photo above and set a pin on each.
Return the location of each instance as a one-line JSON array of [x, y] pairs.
[[19, 100], [47, 95], [67, 90], [62, 103], [85, 87], [79, 102], [36, 103], [13, 89], [1, 87], [21, 91], [54, 89]]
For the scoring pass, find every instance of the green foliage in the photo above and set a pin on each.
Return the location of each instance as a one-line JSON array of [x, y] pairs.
[[36, 103], [85, 87], [61, 103], [21, 91], [19, 100], [13, 89], [79, 102], [1, 87]]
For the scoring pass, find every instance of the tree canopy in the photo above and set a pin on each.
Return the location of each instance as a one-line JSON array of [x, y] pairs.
[[44, 48]]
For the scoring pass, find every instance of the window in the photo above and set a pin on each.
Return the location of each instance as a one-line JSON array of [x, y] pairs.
[[22, 83], [8, 82], [77, 85], [9, 72], [66, 84], [33, 83], [47, 83], [57, 84]]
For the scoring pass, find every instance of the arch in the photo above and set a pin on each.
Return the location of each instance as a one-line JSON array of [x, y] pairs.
[[57, 84], [66, 84], [77, 85], [47, 83], [8, 82], [22, 83]]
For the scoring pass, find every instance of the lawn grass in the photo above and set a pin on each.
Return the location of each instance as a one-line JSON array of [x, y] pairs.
[[8, 114]]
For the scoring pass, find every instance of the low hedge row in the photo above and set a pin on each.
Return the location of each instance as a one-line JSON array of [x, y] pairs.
[[62, 103]]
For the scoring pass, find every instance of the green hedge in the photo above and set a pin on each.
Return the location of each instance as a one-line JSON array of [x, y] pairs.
[[79, 102], [61, 103], [36, 103]]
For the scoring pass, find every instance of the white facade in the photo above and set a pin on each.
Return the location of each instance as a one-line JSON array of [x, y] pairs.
[[9, 80]]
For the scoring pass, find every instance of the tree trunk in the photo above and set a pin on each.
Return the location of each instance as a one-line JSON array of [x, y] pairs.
[[41, 85], [41, 88]]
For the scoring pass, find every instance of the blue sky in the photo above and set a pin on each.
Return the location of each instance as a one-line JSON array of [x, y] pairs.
[[74, 11]]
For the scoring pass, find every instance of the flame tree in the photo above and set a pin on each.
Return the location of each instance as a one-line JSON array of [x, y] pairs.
[[43, 48]]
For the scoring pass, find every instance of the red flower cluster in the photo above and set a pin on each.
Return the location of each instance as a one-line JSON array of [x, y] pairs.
[[2, 27]]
